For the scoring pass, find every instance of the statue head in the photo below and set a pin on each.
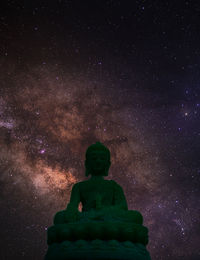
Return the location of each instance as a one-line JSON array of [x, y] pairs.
[[97, 160]]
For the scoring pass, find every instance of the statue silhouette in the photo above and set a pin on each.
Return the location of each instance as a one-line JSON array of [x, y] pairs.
[[104, 218]]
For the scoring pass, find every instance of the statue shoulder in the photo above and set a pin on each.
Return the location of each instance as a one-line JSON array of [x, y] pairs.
[[76, 186], [114, 183], [80, 184], [116, 186]]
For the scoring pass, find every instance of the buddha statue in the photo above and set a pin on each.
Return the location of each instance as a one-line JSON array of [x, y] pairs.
[[104, 216], [101, 199]]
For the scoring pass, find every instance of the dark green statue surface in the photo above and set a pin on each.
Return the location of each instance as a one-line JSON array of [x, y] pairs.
[[105, 228]]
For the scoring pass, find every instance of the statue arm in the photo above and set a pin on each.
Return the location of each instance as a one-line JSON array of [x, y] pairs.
[[75, 197], [119, 198]]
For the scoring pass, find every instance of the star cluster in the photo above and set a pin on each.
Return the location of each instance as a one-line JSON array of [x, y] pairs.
[[125, 73]]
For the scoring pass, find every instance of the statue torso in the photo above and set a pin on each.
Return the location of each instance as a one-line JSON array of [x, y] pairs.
[[90, 190]]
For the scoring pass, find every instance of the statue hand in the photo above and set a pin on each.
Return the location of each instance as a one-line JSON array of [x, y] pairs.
[[111, 210]]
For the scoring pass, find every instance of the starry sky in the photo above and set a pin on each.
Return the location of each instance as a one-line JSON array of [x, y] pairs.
[[125, 73]]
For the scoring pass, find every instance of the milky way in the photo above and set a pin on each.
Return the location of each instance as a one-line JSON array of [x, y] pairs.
[[52, 123], [50, 112]]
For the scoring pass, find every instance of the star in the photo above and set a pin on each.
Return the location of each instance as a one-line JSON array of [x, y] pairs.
[[75, 74]]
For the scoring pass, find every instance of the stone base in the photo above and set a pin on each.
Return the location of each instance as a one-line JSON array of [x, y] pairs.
[[97, 250], [102, 230]]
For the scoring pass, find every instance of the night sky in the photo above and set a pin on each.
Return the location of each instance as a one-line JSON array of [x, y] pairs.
[[125, 73]]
